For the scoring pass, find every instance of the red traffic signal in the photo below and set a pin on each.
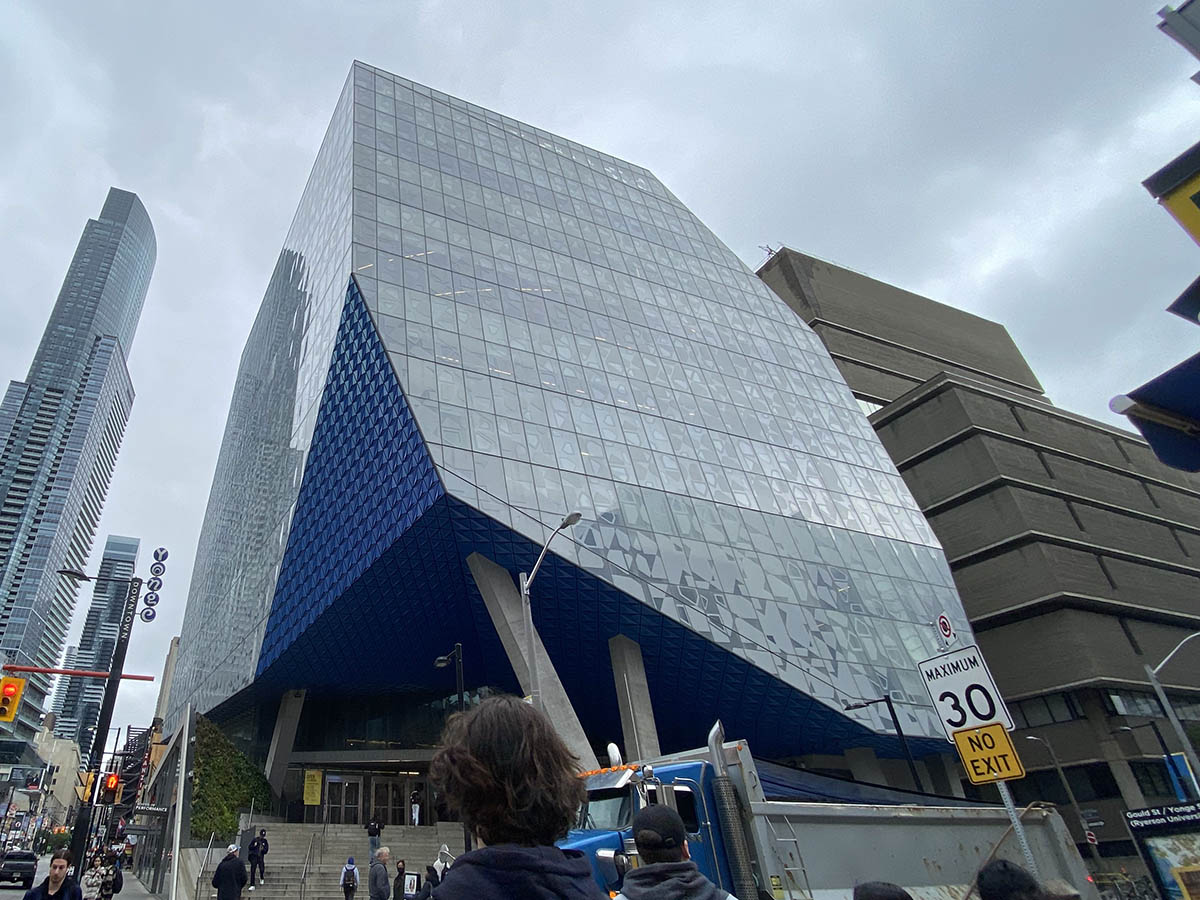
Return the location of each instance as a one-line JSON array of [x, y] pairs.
[[9, 690], [111, 781]]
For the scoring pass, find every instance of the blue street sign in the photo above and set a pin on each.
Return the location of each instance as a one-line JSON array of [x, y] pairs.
[[160, 555]]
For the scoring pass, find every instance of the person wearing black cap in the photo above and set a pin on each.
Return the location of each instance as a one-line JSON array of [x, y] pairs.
[[667, 871]]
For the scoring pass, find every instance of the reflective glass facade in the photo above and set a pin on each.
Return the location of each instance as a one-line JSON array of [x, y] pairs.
[[60, 431], [560, 333]]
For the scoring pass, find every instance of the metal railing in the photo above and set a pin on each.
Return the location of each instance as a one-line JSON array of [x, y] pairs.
[[204, 865], [312, 843]]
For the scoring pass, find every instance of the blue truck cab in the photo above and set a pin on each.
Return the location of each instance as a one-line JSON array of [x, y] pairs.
[[604, 830]]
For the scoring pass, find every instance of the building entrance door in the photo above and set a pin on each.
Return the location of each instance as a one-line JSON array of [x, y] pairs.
[[343, 799], [395, 803]]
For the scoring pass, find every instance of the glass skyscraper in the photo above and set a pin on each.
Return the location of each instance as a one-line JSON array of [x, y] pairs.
[[81, 697], [476, 326], [60, 431]]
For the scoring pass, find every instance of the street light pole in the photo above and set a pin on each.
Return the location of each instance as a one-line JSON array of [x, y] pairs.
[[535, 694], [441, 662], [1169, 711], [887, 699], [1062, 776], [83, 819]]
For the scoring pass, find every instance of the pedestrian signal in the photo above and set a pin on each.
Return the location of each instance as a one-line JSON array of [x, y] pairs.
[[84, 791], [112, 785], [11, 690]]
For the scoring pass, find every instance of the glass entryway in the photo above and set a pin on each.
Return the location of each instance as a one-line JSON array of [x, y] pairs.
[[343, 799], [400, 801]]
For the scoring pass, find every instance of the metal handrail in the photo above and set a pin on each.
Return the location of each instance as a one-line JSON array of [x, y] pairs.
[[312, 841], [204, 865]]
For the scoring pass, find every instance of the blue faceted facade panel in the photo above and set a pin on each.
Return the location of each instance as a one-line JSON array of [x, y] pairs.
[[367, 480], [571, 337]]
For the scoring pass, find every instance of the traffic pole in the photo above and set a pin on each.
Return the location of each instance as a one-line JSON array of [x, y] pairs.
[[83, 819], [1018, 829]]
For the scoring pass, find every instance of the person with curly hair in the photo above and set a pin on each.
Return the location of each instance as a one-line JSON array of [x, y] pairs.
[[502, 767]]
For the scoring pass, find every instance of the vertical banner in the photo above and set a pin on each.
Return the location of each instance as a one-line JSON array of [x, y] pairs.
[[312, 787]]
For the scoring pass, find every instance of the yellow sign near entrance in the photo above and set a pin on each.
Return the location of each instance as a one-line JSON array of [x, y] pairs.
[[312, 787], [988, 754]]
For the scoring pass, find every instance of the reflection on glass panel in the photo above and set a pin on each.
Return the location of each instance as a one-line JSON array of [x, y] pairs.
[[570, 336]]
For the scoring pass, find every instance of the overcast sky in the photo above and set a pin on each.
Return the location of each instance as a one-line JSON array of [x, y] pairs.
[[987, 155]]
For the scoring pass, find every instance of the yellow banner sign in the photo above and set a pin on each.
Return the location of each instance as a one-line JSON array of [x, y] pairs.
[[312, 787], [988, 754]]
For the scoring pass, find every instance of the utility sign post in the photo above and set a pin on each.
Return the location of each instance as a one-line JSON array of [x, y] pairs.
[[977, 723], [962, 691]]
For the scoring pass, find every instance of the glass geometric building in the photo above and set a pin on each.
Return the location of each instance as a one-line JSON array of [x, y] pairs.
[[60, 432], [474, 327]]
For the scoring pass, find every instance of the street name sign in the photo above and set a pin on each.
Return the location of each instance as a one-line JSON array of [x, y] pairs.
[[962, 691], [988, 754]]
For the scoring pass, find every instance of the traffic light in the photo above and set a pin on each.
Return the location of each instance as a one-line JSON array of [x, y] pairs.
[[11, 690], [112, 787], [84, 791]]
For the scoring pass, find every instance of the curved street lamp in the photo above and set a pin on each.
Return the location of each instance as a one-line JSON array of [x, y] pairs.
[[1062, 776], [535, 693], [1189, 752]]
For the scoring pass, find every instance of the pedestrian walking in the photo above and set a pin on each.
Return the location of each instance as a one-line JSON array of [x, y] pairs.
[[374, 827], [230, 877], [100, 881], [379, 886], [58, 884], [398, 884], [501, 750], [258, 850], [666, 870], [349, 879]]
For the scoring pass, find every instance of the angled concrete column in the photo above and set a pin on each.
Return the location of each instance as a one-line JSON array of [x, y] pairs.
[[633, 699], [504, 605], [286, 722], [864, 765]]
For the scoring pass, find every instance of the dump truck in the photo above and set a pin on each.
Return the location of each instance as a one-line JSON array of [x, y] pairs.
[[757, 844]]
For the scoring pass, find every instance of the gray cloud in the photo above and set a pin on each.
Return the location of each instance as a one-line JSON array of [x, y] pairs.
[[989, 156]]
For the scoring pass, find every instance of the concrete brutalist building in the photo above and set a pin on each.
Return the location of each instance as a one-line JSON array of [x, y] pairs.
[[1076, 553]]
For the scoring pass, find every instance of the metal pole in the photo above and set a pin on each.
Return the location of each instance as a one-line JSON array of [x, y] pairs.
[[912, 764], [462, 708], [1018, 829], [180, 784], [535, 695], [1169, 711], [83, 819], [1062, 776]]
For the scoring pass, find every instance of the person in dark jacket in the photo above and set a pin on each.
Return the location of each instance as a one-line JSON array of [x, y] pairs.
[[379, 886], [398, 884], [373, 829], [257, 851], [666, 871], [58, 885], [230, 877], [504, 770], [880, 890]]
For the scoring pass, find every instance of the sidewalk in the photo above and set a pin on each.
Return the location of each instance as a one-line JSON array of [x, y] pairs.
[[133, 887]]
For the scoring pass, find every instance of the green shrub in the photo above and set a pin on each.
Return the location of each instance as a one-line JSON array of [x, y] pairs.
[[225, 781]]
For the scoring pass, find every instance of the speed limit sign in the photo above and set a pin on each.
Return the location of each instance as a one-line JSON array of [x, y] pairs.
[[962, 691]]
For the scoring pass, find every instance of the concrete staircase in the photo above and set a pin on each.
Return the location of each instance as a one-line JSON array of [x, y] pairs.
[[332, 844]]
